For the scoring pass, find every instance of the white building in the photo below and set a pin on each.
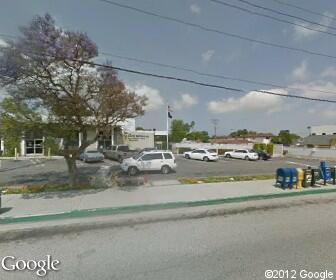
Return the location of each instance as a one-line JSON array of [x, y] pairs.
[[322, 130], [33, 144]]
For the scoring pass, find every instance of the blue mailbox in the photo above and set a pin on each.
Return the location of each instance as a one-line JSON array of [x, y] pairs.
[[325, 171], [287, 177]]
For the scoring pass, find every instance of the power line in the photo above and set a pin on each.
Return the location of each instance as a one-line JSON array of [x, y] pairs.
[[286, 14], [213, 75], [217, 31], [271, 17], [179, 79], [224, 77], [303, 9]]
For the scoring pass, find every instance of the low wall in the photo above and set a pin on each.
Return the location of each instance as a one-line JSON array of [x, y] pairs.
[[192, 146], [180, 147], [316, 153]]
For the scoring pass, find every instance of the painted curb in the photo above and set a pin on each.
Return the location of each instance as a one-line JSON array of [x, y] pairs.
[[154, 207]]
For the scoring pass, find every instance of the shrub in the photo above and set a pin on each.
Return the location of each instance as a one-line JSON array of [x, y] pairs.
[[268, 148], [11, 143], [52, 144]]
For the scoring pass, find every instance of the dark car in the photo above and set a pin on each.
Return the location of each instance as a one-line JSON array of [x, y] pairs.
[[263, 155]]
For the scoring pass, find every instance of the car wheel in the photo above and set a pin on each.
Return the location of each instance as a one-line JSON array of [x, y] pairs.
[[132, 171], [187, 156], [206, 159], [120, 159], [165, 169], [228, 156], [247, 158]]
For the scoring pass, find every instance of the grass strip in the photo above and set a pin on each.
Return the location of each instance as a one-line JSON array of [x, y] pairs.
[[220, 179]]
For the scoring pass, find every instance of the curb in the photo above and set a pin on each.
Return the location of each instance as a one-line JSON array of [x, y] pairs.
[[85, 213], [37, 230]]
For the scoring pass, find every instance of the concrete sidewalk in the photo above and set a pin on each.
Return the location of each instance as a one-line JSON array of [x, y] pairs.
[[61, 202]]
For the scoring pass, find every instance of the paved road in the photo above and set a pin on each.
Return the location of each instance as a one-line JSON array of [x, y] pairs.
[[238, 247], [39, 171]]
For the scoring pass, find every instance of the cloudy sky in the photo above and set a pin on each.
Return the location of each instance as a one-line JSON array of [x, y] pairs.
[[127, 33]]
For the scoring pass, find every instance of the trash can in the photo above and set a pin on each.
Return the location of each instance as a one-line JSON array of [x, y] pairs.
[[301, 178], [283, 177]]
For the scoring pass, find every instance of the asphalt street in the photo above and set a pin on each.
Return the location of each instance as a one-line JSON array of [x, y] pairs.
[[241, 246], [39, 171]]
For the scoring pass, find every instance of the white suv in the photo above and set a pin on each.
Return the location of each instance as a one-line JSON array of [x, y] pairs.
[[242, 154], [149, 161]]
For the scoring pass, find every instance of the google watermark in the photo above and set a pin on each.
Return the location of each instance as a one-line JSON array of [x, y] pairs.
[[39, 267]]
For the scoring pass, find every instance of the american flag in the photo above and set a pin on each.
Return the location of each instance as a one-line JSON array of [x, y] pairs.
[[169, 112]]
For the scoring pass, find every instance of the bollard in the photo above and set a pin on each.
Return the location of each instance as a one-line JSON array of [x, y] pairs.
[[15, 153]]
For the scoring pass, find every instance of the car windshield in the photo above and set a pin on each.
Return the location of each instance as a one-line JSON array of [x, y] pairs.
[[92, 152], [212, 151]]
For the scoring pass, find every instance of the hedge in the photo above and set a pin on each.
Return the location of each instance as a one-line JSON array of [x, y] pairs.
[[268, 148]]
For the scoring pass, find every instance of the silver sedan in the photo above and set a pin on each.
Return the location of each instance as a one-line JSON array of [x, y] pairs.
[[91, 156]]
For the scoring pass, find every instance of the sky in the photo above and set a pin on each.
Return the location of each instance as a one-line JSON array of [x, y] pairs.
[[124, 32]]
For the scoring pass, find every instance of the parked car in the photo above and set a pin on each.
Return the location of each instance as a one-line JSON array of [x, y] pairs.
[[202, 154], [91, 156], [163, 161], [119, 152], [263, 155], [242, 154]]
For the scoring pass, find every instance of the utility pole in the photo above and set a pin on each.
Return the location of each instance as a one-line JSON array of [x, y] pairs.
[[215, 124]]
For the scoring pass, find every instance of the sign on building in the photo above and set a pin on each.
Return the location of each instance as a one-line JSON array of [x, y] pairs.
[[140, 139]]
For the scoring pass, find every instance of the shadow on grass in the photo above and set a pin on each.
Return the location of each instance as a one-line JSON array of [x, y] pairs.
[[62, 194]]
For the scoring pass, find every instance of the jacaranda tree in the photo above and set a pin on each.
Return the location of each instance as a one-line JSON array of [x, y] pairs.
[[50, 80]]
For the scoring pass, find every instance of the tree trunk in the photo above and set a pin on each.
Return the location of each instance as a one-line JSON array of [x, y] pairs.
[[73, 171]]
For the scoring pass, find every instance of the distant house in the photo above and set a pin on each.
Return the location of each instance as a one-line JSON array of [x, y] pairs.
[[323, 136]]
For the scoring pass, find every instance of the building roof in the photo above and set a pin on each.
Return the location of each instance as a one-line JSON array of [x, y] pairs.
[[323, 140]]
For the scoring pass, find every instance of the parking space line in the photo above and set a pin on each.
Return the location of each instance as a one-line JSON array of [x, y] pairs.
[[298, 163]]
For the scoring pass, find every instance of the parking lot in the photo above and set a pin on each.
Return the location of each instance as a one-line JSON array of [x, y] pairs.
[[54, 171]]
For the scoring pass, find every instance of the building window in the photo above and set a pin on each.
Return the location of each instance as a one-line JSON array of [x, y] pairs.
[[34, 146]]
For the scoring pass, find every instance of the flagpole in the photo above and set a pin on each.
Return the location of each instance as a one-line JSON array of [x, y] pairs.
[[167, 113]]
